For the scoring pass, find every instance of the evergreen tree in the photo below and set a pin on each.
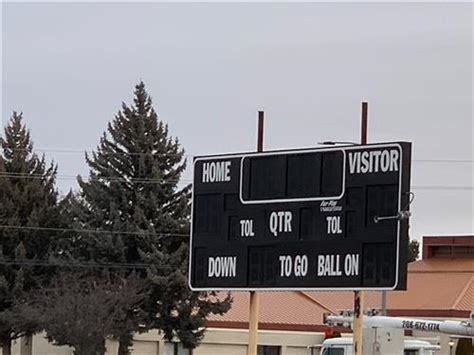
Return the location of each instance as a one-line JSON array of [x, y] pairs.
[[413, 250], [133, 189], [28, 200]]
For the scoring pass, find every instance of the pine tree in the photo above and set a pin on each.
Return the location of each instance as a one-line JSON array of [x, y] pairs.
[[413, 250], [133, 187], [28, 200]]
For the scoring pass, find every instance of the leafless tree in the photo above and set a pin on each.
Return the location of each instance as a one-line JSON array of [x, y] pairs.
[[81, 311]]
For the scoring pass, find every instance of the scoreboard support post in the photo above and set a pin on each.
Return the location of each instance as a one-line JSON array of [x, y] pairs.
[[253, 322], [359, 295], [254, 296]]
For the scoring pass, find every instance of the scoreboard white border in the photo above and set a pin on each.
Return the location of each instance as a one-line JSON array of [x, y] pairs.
[[309, 150]]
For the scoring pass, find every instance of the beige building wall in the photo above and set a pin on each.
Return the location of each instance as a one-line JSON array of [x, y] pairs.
[[37, 345], [234, 341], [217, 341], [216, 349]]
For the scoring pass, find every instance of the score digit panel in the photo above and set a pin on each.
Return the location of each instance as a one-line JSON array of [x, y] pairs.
[[301, 219]]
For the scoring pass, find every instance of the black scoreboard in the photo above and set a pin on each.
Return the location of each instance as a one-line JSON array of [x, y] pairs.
[[329, 218]]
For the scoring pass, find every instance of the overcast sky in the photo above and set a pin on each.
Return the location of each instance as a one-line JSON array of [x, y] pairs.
[[210, 67]]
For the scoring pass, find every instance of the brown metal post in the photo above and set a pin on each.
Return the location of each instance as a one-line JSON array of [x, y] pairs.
[[359, 295], [254, 296], [260, 132], [364, 118], [253, 322]]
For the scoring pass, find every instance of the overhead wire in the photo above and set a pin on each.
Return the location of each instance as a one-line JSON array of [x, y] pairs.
[[94, 231], [80, 264], [98, 178], [79, 151], [148, 180], [172, 181], [189, 181], [74, 264], [443, 160], [114, 179], [442, 188], [185, 181]]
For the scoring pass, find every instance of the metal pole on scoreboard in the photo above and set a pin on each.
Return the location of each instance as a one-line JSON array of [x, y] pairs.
[[254, 297], [359, 295]]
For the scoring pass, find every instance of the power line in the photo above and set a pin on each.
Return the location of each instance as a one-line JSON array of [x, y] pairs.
[[74, 264], [94, 231], [443, 160], [188, 181], [443, 188], [79, 151], [98, 178], [183, 181]]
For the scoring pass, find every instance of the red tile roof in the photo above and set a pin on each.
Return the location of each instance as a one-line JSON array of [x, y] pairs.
[[442, 285], [436, 288], [278, 310]]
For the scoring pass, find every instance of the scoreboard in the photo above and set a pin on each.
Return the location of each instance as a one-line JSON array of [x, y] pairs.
[[323, 218]]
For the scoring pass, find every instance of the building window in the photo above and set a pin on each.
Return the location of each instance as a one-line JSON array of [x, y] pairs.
[[268, 350], [442, 250], [174, 348]]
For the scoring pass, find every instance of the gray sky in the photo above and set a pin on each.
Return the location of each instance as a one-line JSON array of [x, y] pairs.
[[210, 67]]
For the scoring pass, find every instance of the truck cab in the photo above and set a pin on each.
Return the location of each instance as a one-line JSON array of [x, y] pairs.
[[343, 346], [337, 346], [419, 347]]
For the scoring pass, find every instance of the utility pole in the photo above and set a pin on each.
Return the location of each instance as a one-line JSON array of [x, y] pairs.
[[254, 296], [359, 295]]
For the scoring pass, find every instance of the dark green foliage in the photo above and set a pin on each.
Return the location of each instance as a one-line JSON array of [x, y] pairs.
[[28, 198], [413, 250], [133, 187]]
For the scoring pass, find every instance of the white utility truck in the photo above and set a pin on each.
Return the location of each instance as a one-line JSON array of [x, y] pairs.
[[384, 335], [344, 345]]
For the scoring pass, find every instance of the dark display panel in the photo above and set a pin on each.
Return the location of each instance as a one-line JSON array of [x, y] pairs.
[[295, 176]]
